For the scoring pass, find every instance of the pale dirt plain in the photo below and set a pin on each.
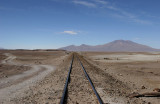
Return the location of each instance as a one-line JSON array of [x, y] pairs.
[[38, 77], [139, 71]]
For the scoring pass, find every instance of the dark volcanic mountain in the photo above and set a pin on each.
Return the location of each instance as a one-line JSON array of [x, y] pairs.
[[1, 48], [115, 46]]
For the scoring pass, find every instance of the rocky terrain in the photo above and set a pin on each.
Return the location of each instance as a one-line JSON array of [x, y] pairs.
[[21, 70], [39, 77], [139, 71]]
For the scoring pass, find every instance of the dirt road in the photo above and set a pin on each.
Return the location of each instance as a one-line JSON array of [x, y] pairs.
[[15, 85]]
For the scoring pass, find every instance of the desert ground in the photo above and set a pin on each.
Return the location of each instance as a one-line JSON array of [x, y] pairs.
[[38, 77], [139, 71]]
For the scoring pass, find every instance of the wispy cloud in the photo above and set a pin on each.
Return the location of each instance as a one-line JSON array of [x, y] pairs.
[[92, 4], [124, 14], [101, 1], [142, 21], [85, 3], [116, 12], [70, 32]]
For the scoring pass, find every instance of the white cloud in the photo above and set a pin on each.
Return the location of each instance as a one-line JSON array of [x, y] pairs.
[[70, 32], [85, 3], [124, 14], [116, 12], [93, 4], [142, 21], [101, 1]]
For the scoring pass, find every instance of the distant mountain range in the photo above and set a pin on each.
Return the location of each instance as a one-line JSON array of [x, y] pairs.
[[1, 48], [115, 46]]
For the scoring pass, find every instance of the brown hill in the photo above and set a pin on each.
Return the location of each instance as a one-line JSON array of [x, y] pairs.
[[115, 46]]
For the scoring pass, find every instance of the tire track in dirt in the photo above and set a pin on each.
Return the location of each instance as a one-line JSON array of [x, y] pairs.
[[15, 85]]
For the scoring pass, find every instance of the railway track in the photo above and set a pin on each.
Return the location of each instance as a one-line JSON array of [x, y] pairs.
[[78, 85]]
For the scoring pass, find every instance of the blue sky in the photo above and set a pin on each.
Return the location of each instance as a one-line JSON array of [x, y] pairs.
[[32, 24]]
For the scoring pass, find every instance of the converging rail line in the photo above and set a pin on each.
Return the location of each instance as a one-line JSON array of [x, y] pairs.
[[90, 81], [64, 96], [66, 84]]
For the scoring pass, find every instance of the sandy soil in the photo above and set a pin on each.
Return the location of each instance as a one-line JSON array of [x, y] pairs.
[[111, 89], [114, 75], [50, 89], [15, 83], [7, 69], [127, 57], [139, 71]]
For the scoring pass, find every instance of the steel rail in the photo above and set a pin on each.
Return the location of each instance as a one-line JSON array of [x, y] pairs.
[[90, 81], [66, 84]]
